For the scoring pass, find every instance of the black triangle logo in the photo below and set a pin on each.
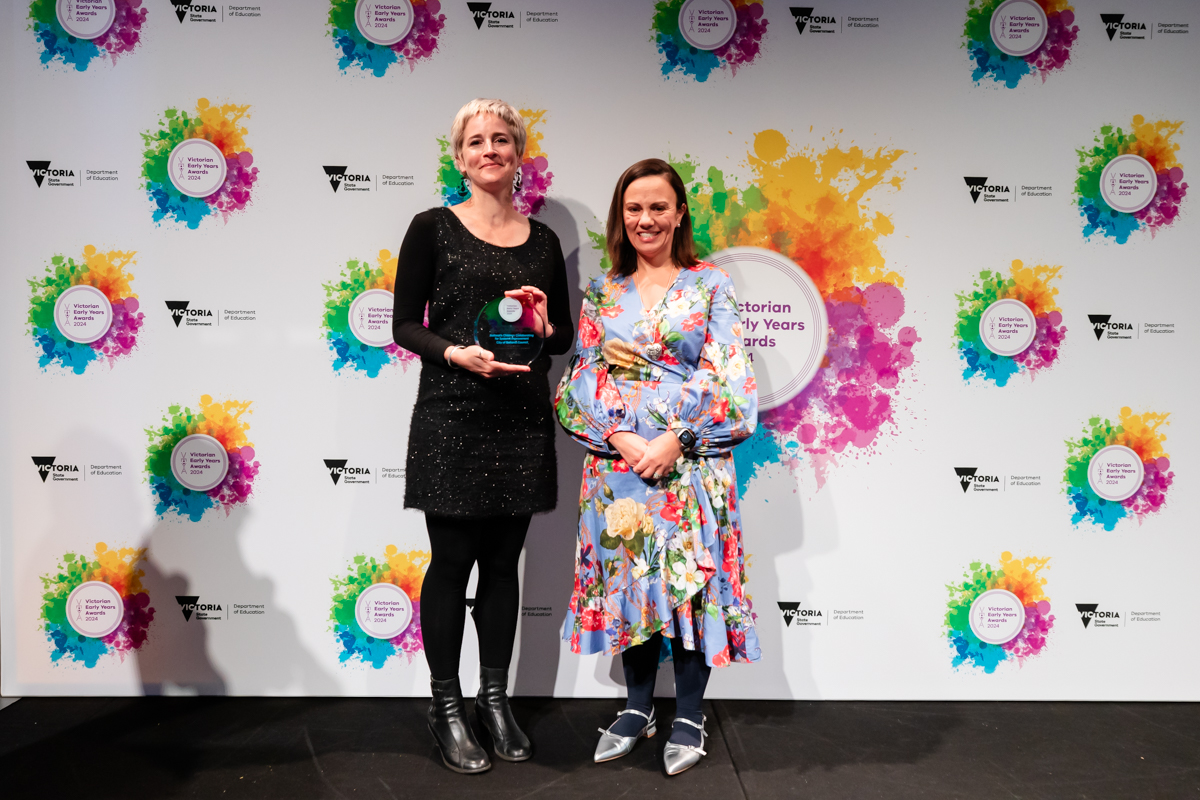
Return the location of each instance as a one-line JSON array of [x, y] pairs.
[[1111, 21], [479, 12], [1098, 322], [185, 603], [37, 168], [964, 476], [332, 172], [801, 16], [181, 8], [785, 608], [44, 463], [333, 465], [976, 186], [177, 307], [1085, 611]]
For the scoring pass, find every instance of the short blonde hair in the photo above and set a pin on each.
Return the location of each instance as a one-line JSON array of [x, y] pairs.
[[482, 105]]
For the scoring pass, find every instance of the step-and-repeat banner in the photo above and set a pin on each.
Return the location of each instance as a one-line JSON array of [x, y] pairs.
[[966, 253]]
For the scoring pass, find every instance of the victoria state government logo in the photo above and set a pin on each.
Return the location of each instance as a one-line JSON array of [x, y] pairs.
[[194, 12], [58, 177], [792, 612], [354, 182], [1115, 24], [194, 317], [991, 192], [338, 470], [967, 478], [482, 12], [804, 17], [1101, 619], [61, 472], [190, 604], [1102, 325]]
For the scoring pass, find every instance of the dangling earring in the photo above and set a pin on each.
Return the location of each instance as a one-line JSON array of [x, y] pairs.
[[464, 188], [517, 181]]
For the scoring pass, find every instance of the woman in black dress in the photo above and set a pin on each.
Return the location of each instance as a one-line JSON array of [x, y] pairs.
[[481, 443]]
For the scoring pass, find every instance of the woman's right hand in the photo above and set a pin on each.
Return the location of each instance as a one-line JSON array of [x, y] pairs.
[[631, 446], [483, 362]]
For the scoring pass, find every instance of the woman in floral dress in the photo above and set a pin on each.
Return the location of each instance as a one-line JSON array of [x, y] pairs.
[[659, 392]]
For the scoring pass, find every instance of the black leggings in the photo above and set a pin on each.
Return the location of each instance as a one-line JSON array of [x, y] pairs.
[[640, 664], [456, 545]]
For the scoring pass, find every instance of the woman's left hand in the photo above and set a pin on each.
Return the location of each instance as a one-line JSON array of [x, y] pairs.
[[661, 454], [534, 298]]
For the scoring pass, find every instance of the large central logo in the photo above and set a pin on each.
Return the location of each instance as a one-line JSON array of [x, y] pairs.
[[482, 12]]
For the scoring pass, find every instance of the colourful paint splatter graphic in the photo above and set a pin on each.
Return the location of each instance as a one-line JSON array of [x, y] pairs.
[[222, 421], [222, 126], [117, 568], [1023, 578], [358, 53], [105, 271], [1153, 141], [121, 38], [535, 170], [406, 570], [809, 205], [681, 57], [991, 63], [348, 352], [1032, 286], [1141, 434]]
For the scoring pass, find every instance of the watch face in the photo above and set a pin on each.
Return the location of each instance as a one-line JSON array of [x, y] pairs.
[[687, 438]]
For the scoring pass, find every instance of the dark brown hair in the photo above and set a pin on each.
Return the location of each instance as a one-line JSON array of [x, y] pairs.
[[620, 249]]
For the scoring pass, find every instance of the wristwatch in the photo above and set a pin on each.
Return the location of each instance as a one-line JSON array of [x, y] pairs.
[[687, 439]]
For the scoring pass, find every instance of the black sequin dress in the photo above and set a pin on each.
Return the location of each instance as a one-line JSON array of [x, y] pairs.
[[477, 447]]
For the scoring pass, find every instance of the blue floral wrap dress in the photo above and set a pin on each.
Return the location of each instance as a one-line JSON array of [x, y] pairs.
[[660, 555]]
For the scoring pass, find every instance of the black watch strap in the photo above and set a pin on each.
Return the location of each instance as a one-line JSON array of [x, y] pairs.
[[686, 438]]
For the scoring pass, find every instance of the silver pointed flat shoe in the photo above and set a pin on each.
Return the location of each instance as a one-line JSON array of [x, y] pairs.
[[678, 757], [613, 746]]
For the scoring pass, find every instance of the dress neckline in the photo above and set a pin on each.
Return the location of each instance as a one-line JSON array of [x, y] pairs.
[[661, 300], [463, 225]]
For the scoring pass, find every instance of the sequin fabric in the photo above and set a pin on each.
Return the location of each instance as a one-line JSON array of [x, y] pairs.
[[483, 447]]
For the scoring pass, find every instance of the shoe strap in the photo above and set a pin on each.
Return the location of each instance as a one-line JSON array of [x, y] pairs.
[[646, 717], [698, 725]]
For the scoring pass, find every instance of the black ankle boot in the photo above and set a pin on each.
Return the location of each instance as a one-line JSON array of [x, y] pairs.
[[452, 732], [491, 706]]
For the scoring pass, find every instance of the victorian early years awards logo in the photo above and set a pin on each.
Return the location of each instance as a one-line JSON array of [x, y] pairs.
[[376, 612], [1010, 39], [372, 35], [95, 606], [77, 33], [1130, 180], [1010, 324], [357, 322], [83, 311], [1118, 470], [200, 460], [697, 37], [197, 165], [998, 614], [824, 338], [533, 178]]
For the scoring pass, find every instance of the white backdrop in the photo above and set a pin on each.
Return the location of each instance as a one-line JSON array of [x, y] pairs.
[[878, 540]]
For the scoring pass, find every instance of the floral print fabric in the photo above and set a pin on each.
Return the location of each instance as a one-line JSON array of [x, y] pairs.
[[660, 555]]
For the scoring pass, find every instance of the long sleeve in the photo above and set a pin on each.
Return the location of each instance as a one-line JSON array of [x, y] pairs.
[[719, 401], [588, 404], [558, 305], [415, 271]]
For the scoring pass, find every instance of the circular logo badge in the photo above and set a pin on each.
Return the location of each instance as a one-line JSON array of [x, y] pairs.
[[95, 609], [1018, 27], [384, 22], [997, 616], [383, 610], [1128, 183], [707, 24], [85, 19], [510, 309], [199, 462], [83, 314], [1007, 327], [1116, 473], [196, 167], [371, 317], [784, 327]]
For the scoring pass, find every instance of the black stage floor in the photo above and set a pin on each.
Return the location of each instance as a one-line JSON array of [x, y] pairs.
[[360, 748]]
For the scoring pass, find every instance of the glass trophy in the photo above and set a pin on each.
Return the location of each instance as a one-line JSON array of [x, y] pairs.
[[509, 330]]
